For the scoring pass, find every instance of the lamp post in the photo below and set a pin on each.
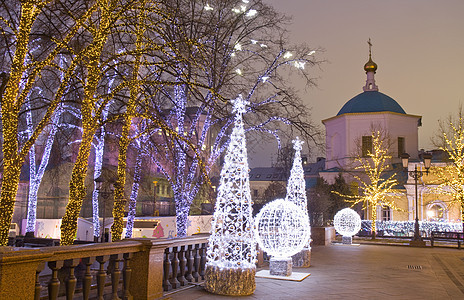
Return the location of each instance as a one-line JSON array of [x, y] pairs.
[[155, 211], [416, 174], [104, 190]]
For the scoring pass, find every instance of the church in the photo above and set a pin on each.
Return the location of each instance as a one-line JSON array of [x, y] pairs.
[[349, 135]]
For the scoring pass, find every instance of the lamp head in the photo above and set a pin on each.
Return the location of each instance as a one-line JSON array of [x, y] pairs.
[[405, 160]]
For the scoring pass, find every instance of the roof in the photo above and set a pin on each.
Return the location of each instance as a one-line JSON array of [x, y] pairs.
[[267, 174], [371, 101]]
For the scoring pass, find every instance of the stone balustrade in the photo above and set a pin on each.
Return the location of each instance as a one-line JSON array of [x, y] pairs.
[[129, 269]]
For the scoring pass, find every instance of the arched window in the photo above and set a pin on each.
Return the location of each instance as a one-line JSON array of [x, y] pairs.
[[436, 212]]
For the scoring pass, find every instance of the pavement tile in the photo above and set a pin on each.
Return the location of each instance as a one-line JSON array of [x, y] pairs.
[[364, 272]]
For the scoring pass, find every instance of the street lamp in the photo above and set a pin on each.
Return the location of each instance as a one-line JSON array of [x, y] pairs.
[[104, 189], [416, 174], [155, 211]]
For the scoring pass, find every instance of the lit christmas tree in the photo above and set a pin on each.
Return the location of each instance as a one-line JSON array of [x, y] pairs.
[[231, 254], [296, 193], [296, 186]]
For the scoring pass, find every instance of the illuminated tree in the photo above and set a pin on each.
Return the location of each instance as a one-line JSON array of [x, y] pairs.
[[241, 50], [108, 13], [30, 59], [375, 189], [450, 177]]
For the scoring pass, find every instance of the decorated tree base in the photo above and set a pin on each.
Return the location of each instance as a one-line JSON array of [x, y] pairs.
[[280, 266], [302, 259], [230, 281], [347, 240]]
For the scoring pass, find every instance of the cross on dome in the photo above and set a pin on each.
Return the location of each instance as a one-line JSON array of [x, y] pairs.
[[239, 105], [297, 144]]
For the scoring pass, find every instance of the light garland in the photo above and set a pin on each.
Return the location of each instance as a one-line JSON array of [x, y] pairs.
[[231, 243], [347, 222], [406, 228], [282, 228]]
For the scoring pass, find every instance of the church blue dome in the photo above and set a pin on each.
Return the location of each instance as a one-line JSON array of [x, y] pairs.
[[371, 101]]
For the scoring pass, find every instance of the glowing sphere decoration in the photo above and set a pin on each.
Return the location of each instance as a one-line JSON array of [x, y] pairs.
[[347, 222], [282, 228]]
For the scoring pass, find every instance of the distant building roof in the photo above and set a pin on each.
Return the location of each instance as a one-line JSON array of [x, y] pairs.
[[267, 174]]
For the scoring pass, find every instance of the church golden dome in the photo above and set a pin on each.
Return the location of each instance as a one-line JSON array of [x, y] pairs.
[[370, 66]]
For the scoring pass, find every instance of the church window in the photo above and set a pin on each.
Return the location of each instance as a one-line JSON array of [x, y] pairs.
[[366, 145], [401, 148]]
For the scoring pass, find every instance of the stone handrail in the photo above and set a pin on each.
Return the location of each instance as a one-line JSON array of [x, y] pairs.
[[142, 259]]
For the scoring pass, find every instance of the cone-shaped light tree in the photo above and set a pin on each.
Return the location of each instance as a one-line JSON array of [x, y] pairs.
[[296, 187], [296, 193], [231, 253]]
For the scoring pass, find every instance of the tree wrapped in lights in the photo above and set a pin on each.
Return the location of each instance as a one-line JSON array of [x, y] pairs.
[[450, 177], [375, 190], [234, 55], [25, 68], [231, 254]]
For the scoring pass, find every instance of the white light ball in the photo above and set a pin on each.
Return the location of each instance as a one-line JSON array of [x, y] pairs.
[[347, 222], [282, 228]]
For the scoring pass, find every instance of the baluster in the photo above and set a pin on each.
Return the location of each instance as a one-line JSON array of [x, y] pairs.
[[182, 264], [115, 275], [203, 261], [38, 287], [175, 265], [126, 276], [188, 274], [54, 284], [71, 280], [87, 280], [166, 267], [196, 263], [101, 275]]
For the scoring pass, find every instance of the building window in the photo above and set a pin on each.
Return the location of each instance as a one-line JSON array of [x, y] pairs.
[[386, 213], [401, 148], [366, 146], [436, 213], [255, 193]]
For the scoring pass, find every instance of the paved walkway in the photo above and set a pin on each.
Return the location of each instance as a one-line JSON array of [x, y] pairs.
[[364, 272]]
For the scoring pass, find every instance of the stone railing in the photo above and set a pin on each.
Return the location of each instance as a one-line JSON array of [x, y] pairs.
[[130, 269], [184, 262]]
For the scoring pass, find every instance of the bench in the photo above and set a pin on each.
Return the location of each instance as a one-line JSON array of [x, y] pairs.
[[447, 236]]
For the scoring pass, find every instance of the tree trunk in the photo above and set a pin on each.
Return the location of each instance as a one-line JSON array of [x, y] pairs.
[[133, 197], [9, 187], [76, 189], [374, 223], [182, 212]]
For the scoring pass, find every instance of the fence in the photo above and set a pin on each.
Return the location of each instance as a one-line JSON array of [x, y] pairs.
[[130, 269]]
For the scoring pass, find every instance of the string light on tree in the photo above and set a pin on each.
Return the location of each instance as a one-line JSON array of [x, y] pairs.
[[376, 190], [347, 222], [231, 254]]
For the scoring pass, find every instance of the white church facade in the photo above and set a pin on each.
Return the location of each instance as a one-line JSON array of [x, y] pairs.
[[349, 135]]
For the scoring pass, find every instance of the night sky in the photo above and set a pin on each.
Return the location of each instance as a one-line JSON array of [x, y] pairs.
[[418, 46]]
